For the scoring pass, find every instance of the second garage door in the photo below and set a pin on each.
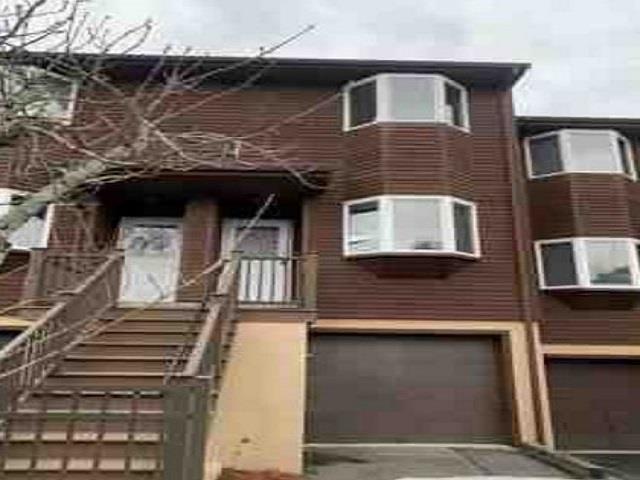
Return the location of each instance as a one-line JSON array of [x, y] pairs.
[[595, 403], [407, 388]]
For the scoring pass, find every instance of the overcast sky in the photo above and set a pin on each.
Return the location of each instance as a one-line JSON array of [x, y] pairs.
[[585, 53]]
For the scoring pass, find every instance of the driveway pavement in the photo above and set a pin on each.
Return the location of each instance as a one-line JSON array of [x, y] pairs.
[[397, 462], [625, 466]]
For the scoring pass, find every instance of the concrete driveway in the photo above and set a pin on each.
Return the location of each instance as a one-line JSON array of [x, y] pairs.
[[397, 462], [622, 465]]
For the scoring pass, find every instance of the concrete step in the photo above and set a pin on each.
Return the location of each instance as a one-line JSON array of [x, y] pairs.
[[122, 379], [94, 400], [156, 326], [91, 449], [80, 464], [121, 363], [119, 335]]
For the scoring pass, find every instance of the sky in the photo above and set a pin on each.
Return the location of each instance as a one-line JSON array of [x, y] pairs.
[[585, 54]]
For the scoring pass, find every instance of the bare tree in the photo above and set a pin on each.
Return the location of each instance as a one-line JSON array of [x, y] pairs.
[[51, 49]]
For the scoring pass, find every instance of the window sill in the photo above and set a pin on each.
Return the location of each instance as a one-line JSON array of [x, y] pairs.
[[413, 253], [415, 264], [559, 174], [407, 122]]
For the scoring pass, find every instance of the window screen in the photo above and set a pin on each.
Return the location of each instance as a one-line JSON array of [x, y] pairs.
[[559, 264], [545, 155], [362, 104]]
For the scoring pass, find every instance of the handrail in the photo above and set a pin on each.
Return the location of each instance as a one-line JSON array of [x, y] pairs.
[[28, 358]]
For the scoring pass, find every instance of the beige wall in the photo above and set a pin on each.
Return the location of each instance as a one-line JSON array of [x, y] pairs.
[[260, 417]]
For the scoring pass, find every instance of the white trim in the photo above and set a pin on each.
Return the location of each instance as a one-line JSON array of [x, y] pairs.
[[383, 110], [566, 158], [445, 204], [285, 233], [581, 264]]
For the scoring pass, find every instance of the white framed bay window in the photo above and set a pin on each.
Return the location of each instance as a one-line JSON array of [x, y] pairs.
[[401, 97], [579, 151], [410, 225], [596, 263]]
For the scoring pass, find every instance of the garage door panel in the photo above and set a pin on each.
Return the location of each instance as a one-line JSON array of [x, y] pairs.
[[595, 403], [406, 388]]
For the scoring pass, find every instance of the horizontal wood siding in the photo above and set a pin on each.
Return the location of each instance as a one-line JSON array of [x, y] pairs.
[[485, 289]]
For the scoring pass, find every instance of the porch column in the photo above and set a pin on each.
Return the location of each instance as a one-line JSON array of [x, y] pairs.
[[200, 243], [75, 227]]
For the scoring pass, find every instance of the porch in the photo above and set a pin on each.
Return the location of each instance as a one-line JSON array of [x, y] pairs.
[[171, 230]]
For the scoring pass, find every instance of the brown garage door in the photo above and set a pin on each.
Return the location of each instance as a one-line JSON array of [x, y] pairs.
[[595, 404], [406, 388]]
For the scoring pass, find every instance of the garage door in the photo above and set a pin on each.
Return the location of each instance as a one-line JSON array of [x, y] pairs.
[[406, 388], [595, 403]]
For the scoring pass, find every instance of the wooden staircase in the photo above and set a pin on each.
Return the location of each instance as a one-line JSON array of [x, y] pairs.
[[128, 398], [108, 392]]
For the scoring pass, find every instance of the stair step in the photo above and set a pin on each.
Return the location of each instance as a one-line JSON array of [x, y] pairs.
[[156, 326], [104, 379], [79, 437], [118, 335], [102, 364], [105, 450], [79, 464], [92, 347]]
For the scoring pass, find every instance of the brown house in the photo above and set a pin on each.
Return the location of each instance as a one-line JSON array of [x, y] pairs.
[[446, 274]]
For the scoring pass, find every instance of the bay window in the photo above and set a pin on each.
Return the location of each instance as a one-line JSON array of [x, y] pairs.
[[35, 231], [589, 263], [410, 224], [579, 151], [405, 98], [35, 92]]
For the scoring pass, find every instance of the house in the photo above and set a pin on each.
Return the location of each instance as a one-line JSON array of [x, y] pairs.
[[447, 273]]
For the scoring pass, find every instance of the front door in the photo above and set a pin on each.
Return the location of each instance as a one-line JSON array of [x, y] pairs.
[[151, 258], [266, 269]]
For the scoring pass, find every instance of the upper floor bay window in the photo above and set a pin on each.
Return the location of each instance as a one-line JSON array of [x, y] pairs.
[[410, 224], [35, 232], [34, 92], [579, 151], [589, 263], [405, 98]]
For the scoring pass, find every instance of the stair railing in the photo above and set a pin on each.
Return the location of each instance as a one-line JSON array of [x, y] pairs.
[[29, 357], [190, 392]]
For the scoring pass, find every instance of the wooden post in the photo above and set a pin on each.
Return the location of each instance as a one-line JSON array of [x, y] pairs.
[[33, 280], [310, 281]]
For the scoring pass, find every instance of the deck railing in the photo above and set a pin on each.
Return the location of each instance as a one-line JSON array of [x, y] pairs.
[[190, 391], [278, 281], [29, 357], [52, 271]]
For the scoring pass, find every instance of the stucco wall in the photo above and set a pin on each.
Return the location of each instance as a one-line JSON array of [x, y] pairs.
[[259, 421]]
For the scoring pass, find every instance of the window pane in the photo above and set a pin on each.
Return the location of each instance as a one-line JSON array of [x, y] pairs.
[[624, 156], [545, 155], [364, 227], [416, 224], [608, 262], [558, 264], [453, 105], [463, 227], [362, 104], [412, 98], [592, 152]]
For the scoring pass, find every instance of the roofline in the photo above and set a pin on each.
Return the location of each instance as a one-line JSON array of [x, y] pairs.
[[506, 72], [548, 121]]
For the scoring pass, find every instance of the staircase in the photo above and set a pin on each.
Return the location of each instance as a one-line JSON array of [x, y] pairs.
[[129, 398]]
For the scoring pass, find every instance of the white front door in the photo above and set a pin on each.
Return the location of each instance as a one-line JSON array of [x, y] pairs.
[[266, 270], [151, 258]]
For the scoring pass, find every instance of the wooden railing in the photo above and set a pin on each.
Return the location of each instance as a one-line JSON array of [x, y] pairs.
[[190, 392], [54, 271], [278, 281], [29, 357]]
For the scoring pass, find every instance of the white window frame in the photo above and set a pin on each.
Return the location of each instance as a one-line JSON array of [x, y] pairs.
[[5, 204], [566, 160], [385, 212], [67, 116], [383, 103], [581, 263]]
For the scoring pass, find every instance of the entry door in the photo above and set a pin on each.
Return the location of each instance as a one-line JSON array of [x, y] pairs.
[[151, 258], [266, 270]]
